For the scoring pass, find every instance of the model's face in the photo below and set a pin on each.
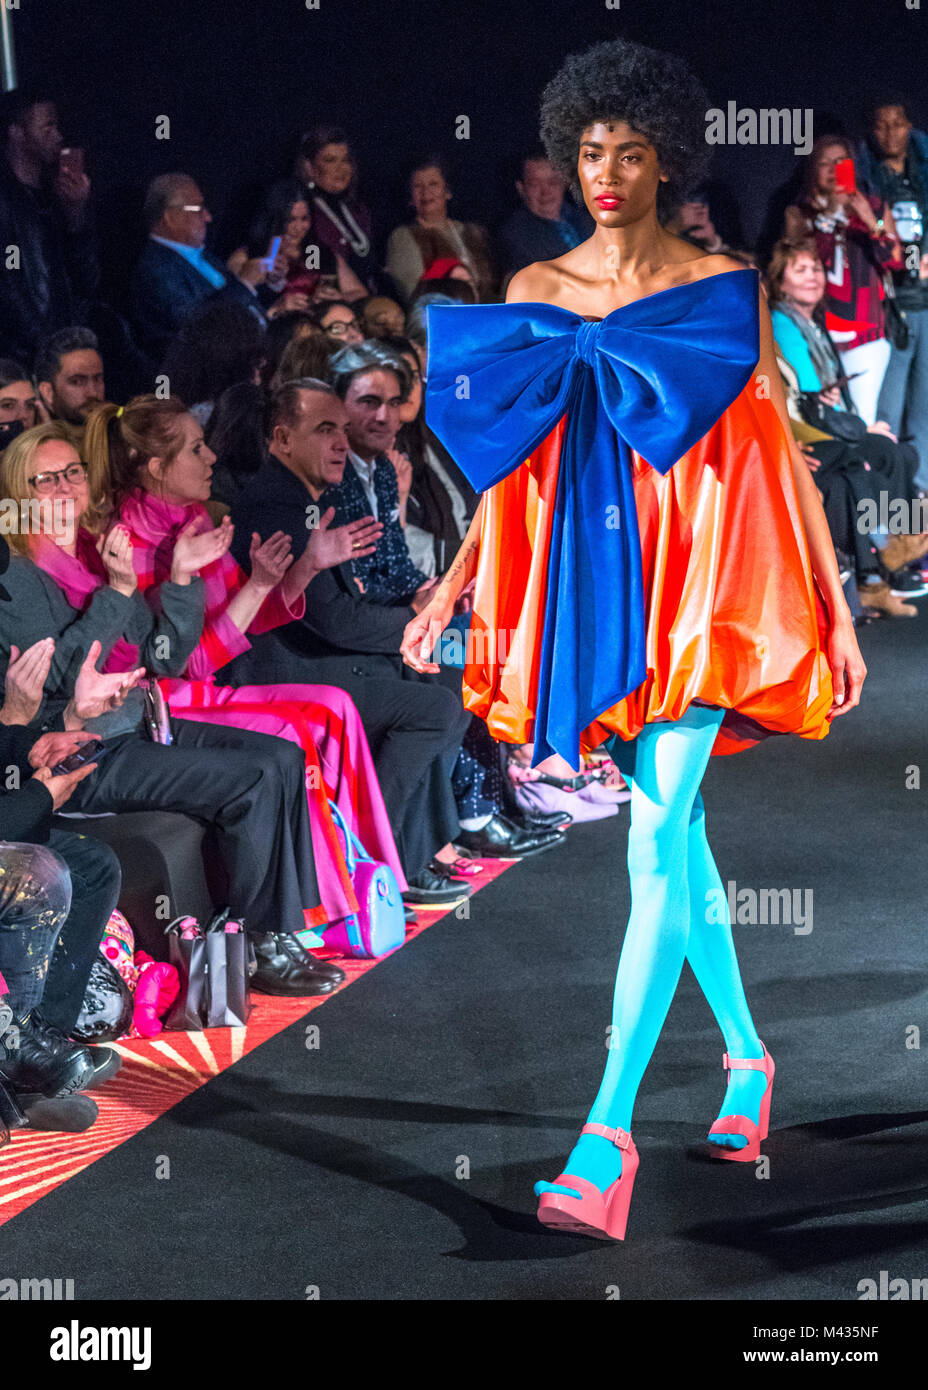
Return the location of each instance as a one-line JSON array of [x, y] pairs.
[[373, 402], [828, 157], [429, 193], [187, 477], [332, 169], [541, 188], [77, 386], [18, 402], [804, 280], [619, 173], [891, 131]]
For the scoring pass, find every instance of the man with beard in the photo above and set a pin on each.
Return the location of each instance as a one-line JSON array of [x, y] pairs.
[[45, 218], [69, 376]]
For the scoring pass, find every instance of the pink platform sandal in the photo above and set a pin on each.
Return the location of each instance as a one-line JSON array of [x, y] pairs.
[[594, 1213], [755, 1134]]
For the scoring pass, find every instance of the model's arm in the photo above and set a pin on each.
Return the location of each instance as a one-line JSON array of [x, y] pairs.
[[847, 664], [528, 285]]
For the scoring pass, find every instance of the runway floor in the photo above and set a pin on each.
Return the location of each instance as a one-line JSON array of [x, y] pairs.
[[396, 1159]]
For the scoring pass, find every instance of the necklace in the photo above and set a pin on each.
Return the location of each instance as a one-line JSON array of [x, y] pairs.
[[349, 231]]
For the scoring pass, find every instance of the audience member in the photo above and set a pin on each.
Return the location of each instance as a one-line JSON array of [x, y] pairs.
[[18, 398], [339, 323], [219, 345], [236, 434], [413, 725], [281, 331], [69, 378], [46, 222], [175, 271], [857, 244], [340, 220], [432, 235], [894, 161], [548, 223], [84, 595], [373, 381], [381, 316], [303, 271]]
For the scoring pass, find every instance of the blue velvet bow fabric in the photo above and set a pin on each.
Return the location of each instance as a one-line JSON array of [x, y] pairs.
[[654, 376]]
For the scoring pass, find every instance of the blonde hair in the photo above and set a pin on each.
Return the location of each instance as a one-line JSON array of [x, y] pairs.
[[18, 464]]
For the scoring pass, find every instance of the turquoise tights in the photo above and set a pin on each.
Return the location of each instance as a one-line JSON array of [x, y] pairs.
[[672, 872]]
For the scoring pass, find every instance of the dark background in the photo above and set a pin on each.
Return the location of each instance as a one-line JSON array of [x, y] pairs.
[[240, 79]]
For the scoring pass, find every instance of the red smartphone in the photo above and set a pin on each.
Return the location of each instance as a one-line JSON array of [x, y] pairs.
[[71, 160], [844, 176]]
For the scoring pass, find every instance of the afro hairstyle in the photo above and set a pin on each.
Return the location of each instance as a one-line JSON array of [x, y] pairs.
[[655, 92]]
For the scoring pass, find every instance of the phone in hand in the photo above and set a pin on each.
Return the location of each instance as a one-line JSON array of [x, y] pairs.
[[273, 251], [87, 753], [844, 176], [71, 161], [9, 429]]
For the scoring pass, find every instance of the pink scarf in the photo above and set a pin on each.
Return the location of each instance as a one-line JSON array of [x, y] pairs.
[[78, 577]]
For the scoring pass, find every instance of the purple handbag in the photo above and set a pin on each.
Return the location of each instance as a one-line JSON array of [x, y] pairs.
[[379, 925]]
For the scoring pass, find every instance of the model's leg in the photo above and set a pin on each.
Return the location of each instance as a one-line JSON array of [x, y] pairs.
[[712, 959], [669, 764]]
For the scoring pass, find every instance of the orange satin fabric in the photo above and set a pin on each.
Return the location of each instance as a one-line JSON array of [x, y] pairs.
[[733, 616]]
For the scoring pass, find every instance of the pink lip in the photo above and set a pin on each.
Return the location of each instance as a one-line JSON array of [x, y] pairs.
[[606, 200]]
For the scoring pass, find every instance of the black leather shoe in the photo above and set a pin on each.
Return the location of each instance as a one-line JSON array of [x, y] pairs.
[[286, 967], [106, 1060], [433, 888], [500, 839], [45, 1062], [540, 820]]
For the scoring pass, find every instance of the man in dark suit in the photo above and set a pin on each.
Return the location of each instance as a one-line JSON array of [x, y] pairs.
[[548, 223], [175, 272]]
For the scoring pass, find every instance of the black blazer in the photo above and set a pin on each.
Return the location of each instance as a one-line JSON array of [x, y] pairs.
[[338, 621], [166, 289]]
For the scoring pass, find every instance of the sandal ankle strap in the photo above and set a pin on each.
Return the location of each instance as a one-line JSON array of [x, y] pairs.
[[744, 1063], [620, 1137]]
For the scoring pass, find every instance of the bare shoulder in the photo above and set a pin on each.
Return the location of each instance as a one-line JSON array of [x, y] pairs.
[[535, 283], [716, 264]]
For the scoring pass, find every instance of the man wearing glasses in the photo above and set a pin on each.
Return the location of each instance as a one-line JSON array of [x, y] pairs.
[[175, 272]]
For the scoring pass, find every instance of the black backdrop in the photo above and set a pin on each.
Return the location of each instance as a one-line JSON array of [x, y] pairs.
[[240, 79]]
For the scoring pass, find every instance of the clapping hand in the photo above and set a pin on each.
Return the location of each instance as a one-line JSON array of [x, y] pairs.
[[333, 545], [194, 550], [96, 693], [24, 685], [270, 559], [115, 549]]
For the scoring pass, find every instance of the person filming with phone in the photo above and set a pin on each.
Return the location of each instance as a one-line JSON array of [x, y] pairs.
[[856, 239], [45, 214]]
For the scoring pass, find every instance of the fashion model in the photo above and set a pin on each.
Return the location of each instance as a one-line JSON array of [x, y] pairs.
[[654, 548]]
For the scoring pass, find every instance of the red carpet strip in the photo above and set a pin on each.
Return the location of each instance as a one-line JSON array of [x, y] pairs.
[[156, 1073]]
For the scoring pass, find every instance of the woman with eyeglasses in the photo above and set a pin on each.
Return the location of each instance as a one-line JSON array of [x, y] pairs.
[[340, 323], [248, 788]]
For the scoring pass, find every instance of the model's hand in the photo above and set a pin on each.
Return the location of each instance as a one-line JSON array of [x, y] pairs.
[[848, 670], [54, 748], [422, 633], [24, 687]]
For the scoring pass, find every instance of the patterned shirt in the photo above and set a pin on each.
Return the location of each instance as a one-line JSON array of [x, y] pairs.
[[389, 575]]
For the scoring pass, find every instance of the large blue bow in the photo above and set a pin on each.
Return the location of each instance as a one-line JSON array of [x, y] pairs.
[[653, 376]]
